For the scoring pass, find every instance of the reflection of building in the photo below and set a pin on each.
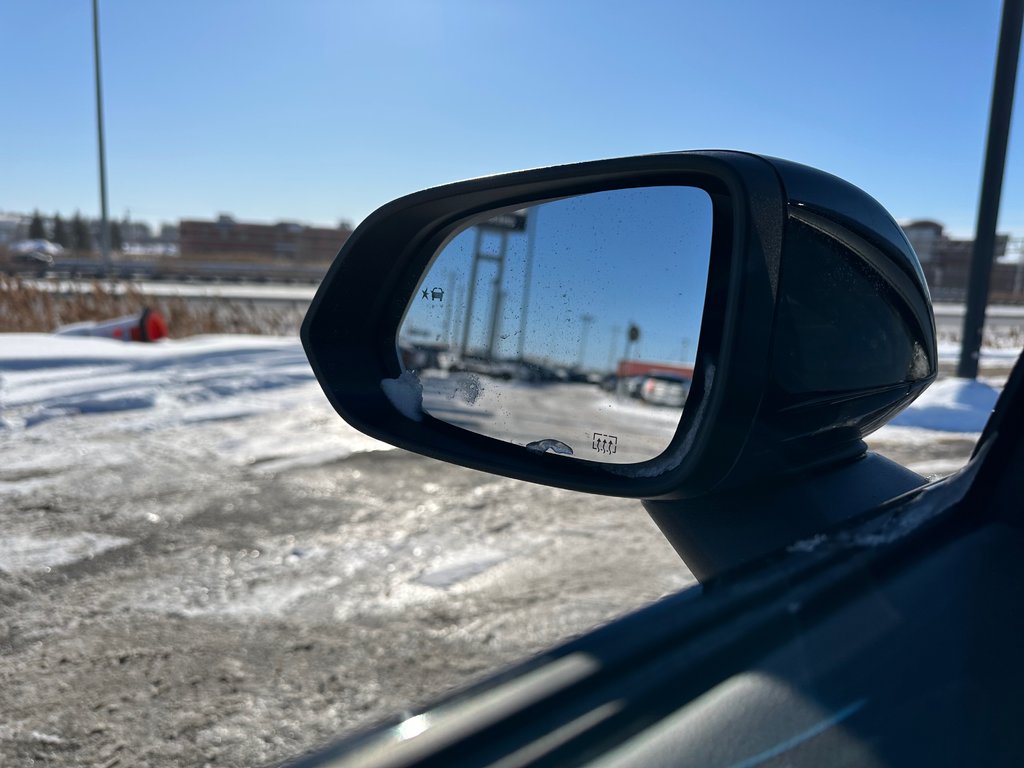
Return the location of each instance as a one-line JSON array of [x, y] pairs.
[[946, 263], [227, 238], [629, 368]]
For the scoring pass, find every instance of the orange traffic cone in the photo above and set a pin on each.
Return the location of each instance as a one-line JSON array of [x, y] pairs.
[[147, 325]]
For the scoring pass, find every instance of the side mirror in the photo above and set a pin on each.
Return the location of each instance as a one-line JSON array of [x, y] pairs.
[[522, 313], [666, 327]]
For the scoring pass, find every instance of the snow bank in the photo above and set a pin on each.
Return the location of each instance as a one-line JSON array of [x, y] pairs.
[[998, 357], [62, 398], [951, 405], [72, 404], [43, 377]]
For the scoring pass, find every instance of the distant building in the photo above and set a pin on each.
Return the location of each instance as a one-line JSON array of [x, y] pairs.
[[946, 263], [230, 239], [924, 235]]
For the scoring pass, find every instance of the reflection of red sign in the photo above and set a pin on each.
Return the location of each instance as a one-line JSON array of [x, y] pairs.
[[628, 368]]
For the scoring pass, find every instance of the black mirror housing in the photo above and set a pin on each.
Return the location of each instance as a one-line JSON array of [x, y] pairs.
[[817, 323]]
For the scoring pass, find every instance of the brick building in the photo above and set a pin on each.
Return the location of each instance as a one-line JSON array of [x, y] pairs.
[[946, 263], [226, 238]]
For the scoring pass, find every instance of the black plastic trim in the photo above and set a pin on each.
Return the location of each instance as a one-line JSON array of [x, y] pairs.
[[390, 250], [732, 432]]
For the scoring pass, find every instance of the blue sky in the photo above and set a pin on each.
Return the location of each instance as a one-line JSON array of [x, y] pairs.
[[600, 263], [318, 111]]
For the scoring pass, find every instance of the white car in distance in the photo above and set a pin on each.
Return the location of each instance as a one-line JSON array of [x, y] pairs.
[[665, 389]]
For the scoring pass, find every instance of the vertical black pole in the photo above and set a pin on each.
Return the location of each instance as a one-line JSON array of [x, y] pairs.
[[991, 186], [446, 332], [531, 237], [104, 225], [498, 298], [477, 243]]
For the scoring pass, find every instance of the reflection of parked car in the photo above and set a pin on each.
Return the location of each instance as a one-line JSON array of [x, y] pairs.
[[630, 385], [420, 356], [665, 389], [505, 370], [535, 372]]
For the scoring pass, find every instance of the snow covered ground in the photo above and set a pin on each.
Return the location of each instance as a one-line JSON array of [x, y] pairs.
[[200, 561], [936, 434], [172, 385], [202, 398]]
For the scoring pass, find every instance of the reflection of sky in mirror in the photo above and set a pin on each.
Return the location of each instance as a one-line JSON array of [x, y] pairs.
[[600, 263]]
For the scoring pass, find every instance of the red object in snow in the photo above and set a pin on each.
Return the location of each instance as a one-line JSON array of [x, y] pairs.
[[148, 325]]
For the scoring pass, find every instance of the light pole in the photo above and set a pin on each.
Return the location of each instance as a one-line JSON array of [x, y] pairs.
[[991, 187], [104, 224], [531, 236], [446, 332]]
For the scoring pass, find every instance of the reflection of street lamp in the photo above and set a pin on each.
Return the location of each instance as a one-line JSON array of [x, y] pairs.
[[531, 236], [499, 301], [632, 337], [502, 224], [587, 320], [447, 328]]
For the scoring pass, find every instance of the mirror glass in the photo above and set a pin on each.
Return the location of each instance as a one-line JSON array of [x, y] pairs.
[[569, 326]]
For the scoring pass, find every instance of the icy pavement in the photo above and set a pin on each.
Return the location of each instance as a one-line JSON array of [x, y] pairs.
[[570, 416], [156, 395], [199, 561], [203, 563]]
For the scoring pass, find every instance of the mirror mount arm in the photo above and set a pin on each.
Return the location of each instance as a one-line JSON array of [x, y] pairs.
[[718, 533]]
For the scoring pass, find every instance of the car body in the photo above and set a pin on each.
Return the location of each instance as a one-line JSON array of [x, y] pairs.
[[665, 389], [849, 612]]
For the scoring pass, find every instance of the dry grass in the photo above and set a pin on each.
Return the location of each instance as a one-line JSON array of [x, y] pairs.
[[26, 307]]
